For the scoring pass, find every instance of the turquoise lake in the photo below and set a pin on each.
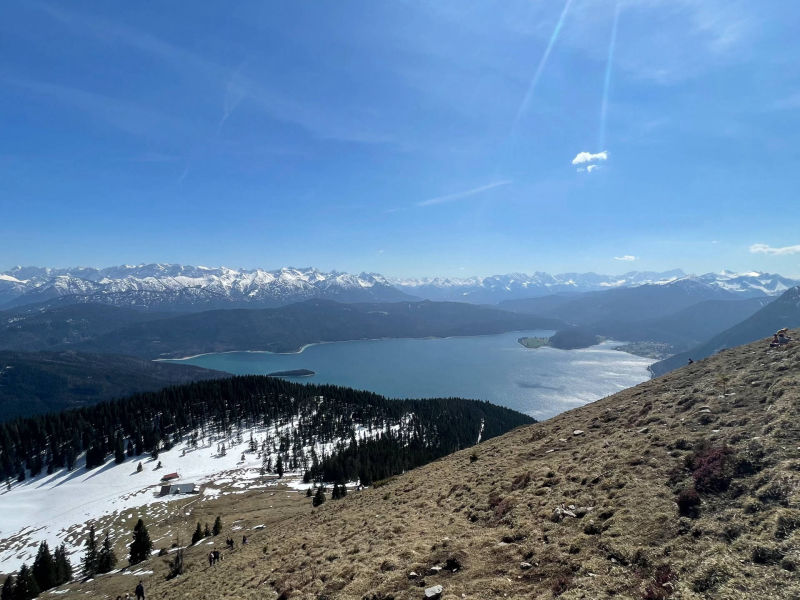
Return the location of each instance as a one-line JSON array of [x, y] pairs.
[[541, 382]]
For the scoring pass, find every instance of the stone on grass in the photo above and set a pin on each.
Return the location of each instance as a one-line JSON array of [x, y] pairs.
[[578, 432], [433, 593]]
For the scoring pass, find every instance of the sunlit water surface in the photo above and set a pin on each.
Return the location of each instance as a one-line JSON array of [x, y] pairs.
[[541, 382]]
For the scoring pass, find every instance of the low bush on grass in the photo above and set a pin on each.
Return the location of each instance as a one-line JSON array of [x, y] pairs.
[[688, 501], [712, 469]]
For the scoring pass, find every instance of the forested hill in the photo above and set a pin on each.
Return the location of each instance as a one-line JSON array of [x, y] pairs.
[[376, 437], [290, 327], [39, 382]]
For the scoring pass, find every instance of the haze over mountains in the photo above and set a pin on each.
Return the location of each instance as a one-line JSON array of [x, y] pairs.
[[170, 287]]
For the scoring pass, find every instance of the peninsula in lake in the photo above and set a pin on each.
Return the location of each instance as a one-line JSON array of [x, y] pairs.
[[292, 373], [564, 339]]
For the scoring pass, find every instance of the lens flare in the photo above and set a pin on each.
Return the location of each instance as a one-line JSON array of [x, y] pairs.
[[601, 141], [523, 107]]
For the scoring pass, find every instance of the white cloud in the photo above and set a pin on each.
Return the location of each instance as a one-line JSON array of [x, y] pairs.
[[464, 194], [626, 258], [765, 249], [591, 168], [586, 157]]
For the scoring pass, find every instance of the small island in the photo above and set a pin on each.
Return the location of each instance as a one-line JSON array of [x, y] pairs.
[[566, 339], [534, 342], [292, 373]]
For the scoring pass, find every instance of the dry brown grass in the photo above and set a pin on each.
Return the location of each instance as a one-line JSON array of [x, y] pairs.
[[593, 514]]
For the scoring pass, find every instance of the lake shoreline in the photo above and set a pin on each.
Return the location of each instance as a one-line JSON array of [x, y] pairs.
[[492, 367], [309, 345]]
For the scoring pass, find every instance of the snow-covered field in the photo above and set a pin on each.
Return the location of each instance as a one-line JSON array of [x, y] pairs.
[[59, 507]]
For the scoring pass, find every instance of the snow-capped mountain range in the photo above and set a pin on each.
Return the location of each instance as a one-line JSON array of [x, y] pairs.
[[170, 287], [515, 286], [182, 287]]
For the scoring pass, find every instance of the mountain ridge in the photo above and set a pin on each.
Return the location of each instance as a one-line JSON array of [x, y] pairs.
[[33, 383], [782, 312], [175, 287]]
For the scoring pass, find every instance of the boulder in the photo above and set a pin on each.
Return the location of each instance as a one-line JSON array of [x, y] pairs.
[[578, 432], [434, 592]]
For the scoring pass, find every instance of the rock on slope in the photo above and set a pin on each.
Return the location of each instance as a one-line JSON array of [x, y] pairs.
[[580, 506]]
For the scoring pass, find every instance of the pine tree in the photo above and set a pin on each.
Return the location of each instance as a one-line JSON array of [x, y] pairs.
[[141, 547], [176, 565], [119, 449], [207, 531], [217, 526], [44, 568], [279, 467], [106, 559], [25, 587], [319, 497], [63, 566], [139, 467], [197, 535], [8, 589], [90, 556]]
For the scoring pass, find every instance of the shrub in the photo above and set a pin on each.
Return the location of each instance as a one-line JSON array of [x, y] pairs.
[[788, 521], [688, 501], [662, 585], [763, 555], [710, 577], [712, 469], [778, 491], [560, 584], [521, 481]]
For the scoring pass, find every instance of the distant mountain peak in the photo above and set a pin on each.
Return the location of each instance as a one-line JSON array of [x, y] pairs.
[[171, 286]]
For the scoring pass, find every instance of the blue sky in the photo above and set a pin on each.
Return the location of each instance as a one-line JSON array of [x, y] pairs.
[[407, 138]]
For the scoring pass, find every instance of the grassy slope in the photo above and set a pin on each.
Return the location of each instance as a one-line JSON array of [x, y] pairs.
[[491, 514]]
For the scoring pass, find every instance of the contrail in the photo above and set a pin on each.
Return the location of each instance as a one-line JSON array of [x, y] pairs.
[[540, 68], [607, 83]]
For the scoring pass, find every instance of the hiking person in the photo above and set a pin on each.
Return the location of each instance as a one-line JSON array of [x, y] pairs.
[[210, 558], [140, 591]]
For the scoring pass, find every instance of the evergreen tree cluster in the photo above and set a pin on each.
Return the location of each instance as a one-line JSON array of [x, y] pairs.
[[97, 561], [48, 571], [152, 422], [199, 533]]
